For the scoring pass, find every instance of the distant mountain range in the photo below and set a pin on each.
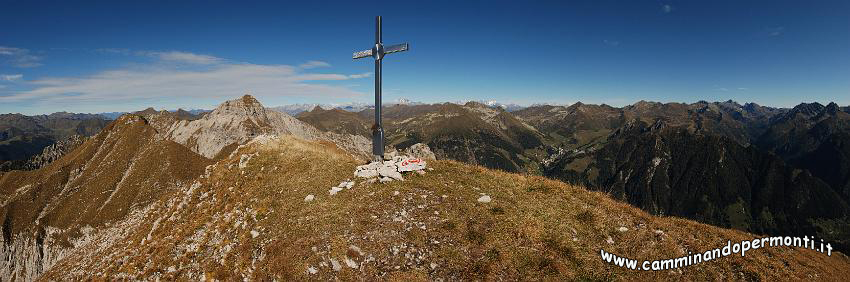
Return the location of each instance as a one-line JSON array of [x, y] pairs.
[[26, 141], [24, 137], [295, 109], [750, 167], [241, 193], [115, 115]]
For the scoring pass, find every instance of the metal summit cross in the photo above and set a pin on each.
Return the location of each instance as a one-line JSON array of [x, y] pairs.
[[378, 53]]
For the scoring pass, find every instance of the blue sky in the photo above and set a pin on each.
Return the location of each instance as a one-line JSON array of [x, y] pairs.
[[92, 56]]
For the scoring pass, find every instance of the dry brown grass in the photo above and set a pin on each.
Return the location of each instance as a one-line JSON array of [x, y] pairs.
[[121, 168], [534, 229]]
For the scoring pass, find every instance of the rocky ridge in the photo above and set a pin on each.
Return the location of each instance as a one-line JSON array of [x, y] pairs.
[[49, 213], [238, 121]]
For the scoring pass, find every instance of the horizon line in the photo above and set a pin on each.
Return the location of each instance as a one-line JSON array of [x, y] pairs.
[[416, 103]]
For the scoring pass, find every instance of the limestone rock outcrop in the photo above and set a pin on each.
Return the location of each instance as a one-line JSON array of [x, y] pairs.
[[240, 120]]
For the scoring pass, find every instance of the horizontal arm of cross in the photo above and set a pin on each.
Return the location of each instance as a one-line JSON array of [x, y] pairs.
[[396, 48], [386, 50], [363, 54]]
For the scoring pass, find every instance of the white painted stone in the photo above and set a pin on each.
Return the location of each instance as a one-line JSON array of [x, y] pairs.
[[388, 170], [309, 198], [410, 164]]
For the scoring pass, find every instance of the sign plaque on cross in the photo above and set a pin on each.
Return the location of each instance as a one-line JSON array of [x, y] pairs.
[[377, 52]]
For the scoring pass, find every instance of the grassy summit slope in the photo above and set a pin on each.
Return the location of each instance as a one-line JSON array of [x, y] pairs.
[[46, 212], [247, 217], [122, 167]]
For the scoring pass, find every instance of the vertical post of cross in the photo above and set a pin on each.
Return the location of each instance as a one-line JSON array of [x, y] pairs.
[[378, 131], [377, 52]]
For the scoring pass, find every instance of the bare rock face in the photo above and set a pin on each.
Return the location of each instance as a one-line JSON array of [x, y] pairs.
[[420, 151], [358, 146], [238, 121]]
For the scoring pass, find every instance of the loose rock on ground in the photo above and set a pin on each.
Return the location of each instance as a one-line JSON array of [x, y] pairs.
[[390, 170]]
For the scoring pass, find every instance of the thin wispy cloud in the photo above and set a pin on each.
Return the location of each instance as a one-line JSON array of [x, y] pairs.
[[612, 43], [775, 31], [313, 64], [666, 8], [11, 77], [362, 75], [19, 57], [724, 89], [324, 76], [166, 79], [168, 56], [185, 57], [121, 51]]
